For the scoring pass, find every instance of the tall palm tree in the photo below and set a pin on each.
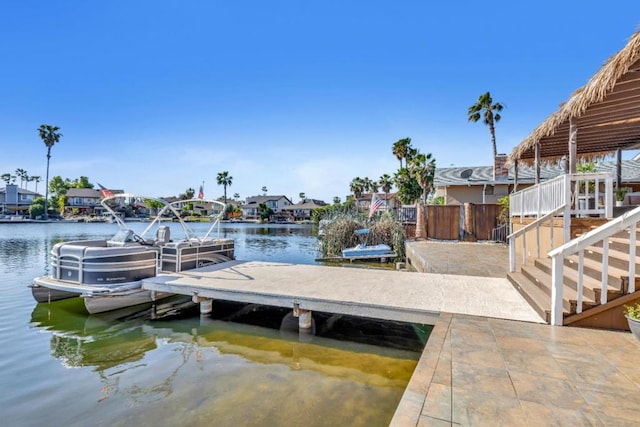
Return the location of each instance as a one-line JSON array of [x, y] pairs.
[[37, 179], [236, 196], [225, 180], [50, 136], [302, 196], [6, 177], [366, 184], [484, 109], [422, 168], [386, 184], [264, 190], [22, 174], [356, 186], [401, 148]]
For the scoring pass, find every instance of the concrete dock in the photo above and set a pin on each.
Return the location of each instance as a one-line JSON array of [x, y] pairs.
[[380, 294]]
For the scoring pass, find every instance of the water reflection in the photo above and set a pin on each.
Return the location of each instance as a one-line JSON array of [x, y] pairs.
[[255, 375]]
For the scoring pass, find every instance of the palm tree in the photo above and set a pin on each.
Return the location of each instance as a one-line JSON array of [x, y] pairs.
[[22, 174], [366, 184], [375, 185], [484, 109], [37, 179], [50, 136], [386, 184], [422, 168], [356, 186], [400, 149], [236, 196], [302, 196], [264, 190], [189, 193], [6, 177], [225, 180]]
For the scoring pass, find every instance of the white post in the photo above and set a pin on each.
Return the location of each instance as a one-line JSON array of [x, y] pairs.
[[580, 280], [512, 254], [632, 258], [566, 220], [608, 205], [556, 290], [206, 306], [605, 271], [304, 320], [538, 237]]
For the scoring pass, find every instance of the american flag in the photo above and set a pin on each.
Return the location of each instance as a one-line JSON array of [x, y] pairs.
[[104, 191], [376, 202], [201, 191]]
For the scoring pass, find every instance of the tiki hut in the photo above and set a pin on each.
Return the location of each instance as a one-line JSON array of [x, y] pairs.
[[599, 119]]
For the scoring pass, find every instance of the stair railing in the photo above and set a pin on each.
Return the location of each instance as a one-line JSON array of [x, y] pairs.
[[577, 246], [523, 233]]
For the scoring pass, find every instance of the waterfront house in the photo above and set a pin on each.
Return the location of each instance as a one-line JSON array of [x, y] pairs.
[[476, 184], [276, 203], [15, 200], [86, 201], [390, 202], [304, 210]]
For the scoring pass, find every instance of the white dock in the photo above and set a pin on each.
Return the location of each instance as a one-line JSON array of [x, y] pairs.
[[380, 294]]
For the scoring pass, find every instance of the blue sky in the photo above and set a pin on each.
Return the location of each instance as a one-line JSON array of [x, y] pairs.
[[154, 97]]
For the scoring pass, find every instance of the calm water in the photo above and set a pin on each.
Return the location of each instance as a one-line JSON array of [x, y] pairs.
[[61, 366]]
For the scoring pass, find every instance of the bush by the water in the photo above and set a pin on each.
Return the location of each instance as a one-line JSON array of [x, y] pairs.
[[338, 232]]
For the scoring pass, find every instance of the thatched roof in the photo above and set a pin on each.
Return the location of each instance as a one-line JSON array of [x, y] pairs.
[[606, 111]]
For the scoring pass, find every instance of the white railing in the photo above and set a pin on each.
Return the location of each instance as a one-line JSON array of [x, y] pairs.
[[577, 246], [539, 199], [523, 233], [592, 194], [585, 194]]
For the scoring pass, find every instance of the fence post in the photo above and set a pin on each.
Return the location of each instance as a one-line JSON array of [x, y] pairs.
[[556, 290]]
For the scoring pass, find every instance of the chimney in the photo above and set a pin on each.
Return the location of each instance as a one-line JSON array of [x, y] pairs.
[[500, 171]]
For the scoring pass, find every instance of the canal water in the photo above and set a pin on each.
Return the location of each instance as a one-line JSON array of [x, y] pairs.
[[166, 365]]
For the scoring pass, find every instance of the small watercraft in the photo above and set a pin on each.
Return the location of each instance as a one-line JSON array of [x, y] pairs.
[[108, 273]]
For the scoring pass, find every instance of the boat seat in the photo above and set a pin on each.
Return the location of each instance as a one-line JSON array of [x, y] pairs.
[[163, 236]]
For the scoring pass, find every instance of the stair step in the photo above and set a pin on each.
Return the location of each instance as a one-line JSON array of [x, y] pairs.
[[593, 269], [621, 244], [591, 286], [540, 301], [617, 259], [542, 281]]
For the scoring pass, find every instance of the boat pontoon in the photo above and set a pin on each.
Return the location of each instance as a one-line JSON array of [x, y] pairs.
[[108, 273]]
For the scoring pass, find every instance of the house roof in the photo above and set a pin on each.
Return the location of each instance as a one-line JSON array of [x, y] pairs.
[[480, 175], [606, 111], [21, 191], [83, 192], [307, 204], [262, 199]]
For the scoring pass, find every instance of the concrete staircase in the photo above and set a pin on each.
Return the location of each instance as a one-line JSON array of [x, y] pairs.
[[533, 281]]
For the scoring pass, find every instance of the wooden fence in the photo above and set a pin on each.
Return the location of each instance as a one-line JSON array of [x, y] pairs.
[[455, 222], [443, 222]]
